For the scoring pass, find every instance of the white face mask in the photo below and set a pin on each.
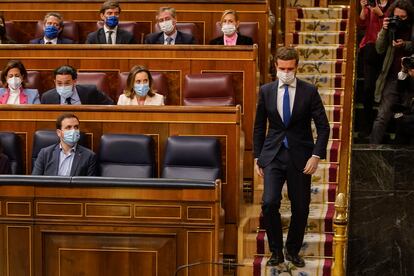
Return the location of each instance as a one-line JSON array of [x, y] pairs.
[[14, 83], [166, 26], [65, 91], [228, 29], [286, 78]]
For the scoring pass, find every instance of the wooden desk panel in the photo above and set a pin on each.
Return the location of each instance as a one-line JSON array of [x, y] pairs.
[[62, 236], [158, 122]]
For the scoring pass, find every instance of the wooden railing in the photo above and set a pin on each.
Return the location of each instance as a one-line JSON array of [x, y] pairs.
[[107, 226], [340, 225]]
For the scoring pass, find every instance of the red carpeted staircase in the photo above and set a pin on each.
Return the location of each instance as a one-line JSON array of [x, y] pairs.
[[320, 35]]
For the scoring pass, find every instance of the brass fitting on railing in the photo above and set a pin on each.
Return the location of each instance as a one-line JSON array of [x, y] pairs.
[[340, 238]]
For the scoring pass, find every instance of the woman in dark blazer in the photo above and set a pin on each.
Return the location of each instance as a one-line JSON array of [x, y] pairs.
[[229, 26]]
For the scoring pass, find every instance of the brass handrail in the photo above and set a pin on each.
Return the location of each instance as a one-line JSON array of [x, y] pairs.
[[340, 235]]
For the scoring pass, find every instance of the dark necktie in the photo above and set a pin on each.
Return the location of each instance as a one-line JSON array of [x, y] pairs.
[[48, 42], [68, 100], [110, 37], [286, 111], [169, 40]]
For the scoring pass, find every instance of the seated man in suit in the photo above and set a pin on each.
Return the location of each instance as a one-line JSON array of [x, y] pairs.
[[169, 35], [68, 92], [110, 33], [53, 26], [66, 158]]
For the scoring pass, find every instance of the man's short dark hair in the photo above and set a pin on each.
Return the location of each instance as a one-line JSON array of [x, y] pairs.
[[63, 117], [66, 70], [54, 14], [287, 53], [109, 5]]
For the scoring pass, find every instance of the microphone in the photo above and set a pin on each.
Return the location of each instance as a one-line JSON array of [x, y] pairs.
[[184, 266]]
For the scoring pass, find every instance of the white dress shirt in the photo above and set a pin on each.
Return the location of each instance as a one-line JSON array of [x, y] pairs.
[[281, 92], [113, 35]]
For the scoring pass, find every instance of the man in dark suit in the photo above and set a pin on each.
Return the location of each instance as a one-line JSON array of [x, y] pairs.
[[52, 28], [169, 35], [66, 158], [67, 92], [110, 33], [287, 152]]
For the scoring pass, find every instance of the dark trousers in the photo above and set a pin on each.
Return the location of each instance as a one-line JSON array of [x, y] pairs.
[[388, 100], [372, 63], [282, 169], [404, 132]]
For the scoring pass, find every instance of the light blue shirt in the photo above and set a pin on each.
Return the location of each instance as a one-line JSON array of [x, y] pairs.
[[66, 161], [74, 99]]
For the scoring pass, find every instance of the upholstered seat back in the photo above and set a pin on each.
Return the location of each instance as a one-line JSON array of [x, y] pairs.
[[95, 78], [13, 32], [33, 80], [209, 89], [250, 29], [70, 30], [126, 155], [192, 157], [13, 149]]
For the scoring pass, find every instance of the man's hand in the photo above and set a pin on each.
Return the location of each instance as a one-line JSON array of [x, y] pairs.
[[311, 165], [398, 43], [259, 170], [364, 3], [385, 23]]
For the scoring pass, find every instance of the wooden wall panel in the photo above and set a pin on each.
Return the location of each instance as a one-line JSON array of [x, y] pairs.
[[198, 254], [19, 250], [74, 253], [110, 229]]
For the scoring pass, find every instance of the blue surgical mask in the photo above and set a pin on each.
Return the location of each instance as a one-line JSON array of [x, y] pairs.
[[111, 21], [141, 89], [65, 91], [51, 31], [71, 136]]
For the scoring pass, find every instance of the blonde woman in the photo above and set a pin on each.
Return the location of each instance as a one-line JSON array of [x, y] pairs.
[[139, 90], [229, 26]]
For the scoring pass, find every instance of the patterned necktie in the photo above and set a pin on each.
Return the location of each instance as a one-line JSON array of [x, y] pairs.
[[169, 40], [110, 37], [68, 100], [286, 111]]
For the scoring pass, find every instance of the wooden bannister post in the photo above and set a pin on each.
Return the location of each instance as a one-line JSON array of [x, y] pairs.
[[340, 236]]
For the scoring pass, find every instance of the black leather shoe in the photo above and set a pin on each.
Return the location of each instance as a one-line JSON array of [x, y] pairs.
[[275, 259], [295, 259]]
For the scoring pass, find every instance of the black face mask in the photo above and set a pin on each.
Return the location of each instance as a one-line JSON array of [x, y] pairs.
[[2, 30]]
